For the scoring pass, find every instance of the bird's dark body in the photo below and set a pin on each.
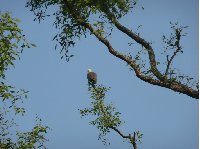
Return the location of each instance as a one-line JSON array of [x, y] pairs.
[[92, 78]]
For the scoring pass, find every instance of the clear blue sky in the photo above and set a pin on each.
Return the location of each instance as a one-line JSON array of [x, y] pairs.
[[58, 89]]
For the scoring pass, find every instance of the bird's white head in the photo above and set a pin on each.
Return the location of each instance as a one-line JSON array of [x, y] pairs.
[[89, 70]]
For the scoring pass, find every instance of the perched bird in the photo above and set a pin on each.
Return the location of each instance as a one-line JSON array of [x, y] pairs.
[[92, 78]]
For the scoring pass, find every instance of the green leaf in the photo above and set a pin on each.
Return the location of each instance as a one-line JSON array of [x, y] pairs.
[[32, 44]]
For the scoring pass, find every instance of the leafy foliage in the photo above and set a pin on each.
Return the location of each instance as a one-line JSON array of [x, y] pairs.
[[12, 43], [95, 12], [34, 138], [5, 125], [11, 97], [107, 117]]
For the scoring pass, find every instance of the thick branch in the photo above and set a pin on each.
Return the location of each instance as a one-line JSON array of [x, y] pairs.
[[175, 86], [145, 44]]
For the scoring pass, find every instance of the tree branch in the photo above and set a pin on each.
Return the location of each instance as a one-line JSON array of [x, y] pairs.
[[162, 81], [144, 43], [178, 49], [119, 132], [169, 61], [131, 139], [175, 86]]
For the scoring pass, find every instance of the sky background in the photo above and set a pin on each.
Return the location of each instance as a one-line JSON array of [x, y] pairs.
[[59, 88]]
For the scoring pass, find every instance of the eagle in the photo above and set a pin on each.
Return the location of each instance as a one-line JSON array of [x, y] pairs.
[[92, 78]]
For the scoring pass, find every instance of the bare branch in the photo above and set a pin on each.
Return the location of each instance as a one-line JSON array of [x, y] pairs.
[[132, 139]]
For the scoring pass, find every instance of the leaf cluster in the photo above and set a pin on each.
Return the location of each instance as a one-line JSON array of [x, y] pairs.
[[12, 43], [72, 13], [172, 43], [12, 97], [106, 114], [32, 140], [5, 125]]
